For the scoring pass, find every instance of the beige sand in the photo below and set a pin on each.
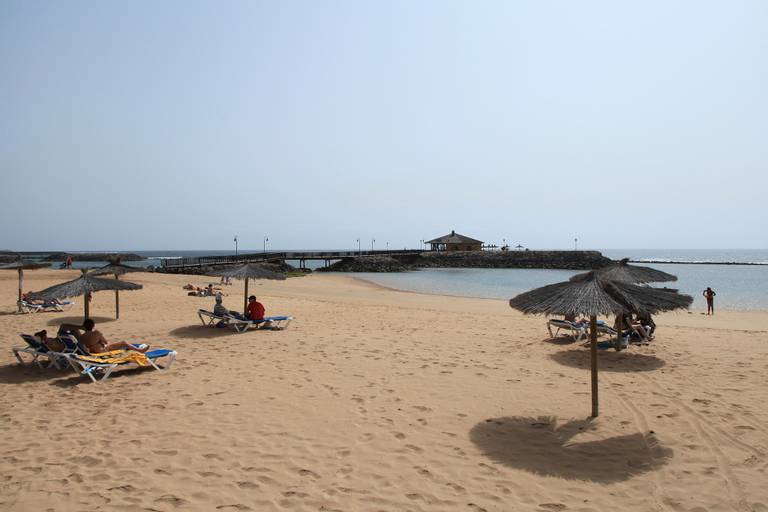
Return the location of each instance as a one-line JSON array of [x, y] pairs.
[[382, 400]]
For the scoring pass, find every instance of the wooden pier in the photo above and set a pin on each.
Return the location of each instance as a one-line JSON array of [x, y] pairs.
[[301, 256]]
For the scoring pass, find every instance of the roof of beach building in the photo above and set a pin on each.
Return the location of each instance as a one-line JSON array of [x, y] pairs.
[[454, 238]]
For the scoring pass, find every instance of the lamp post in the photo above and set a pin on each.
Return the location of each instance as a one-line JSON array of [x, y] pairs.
[[504, 243], [575, 244], [373, 240], [387, 245], [266, 239], [421, 245], [359, 251], [235, 245]]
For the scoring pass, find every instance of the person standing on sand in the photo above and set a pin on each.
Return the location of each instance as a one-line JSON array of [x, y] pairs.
[[709, 294]]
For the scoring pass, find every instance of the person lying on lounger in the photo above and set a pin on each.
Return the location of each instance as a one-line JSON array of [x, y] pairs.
[[94, 341]]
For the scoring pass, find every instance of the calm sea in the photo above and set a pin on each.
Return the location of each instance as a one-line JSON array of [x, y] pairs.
[[737, 286]]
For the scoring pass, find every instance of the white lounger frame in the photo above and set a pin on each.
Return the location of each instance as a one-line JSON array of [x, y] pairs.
[[210, 320], [89, 367]]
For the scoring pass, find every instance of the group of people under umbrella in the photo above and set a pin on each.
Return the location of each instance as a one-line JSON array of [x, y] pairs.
[[614, 290]]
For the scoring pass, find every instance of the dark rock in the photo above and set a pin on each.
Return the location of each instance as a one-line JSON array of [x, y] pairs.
[[569, 260], [367, 264]]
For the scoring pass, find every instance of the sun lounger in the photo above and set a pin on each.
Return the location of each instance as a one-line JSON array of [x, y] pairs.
[[96, 365], [34, 349], [30, 307], [578, 331], [210, 319], [279, 323]]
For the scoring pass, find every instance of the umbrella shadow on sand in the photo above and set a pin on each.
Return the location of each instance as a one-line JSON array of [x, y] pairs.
[[200, 332], [609, 360], [541, 446], [560, 340], [78, 320]]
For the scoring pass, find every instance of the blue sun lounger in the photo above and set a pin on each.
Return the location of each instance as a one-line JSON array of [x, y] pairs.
[[210, 319], [98, 367]]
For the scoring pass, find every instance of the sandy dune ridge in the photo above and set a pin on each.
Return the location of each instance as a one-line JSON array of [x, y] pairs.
[[375, 399]]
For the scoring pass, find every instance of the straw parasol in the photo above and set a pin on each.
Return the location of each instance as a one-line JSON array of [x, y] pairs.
[[117, 269], [623, 271], [83, 285], [21, 265], [593, 295], [246, 271]]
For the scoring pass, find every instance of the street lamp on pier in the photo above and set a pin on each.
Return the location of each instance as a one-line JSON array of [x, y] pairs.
[[266, 239], [373, 240], [235, 245], [358, 246]]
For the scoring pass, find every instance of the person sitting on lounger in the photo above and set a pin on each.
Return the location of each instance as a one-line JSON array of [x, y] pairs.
[[256, 312], [94, 341], [645, 320], [220, 310]]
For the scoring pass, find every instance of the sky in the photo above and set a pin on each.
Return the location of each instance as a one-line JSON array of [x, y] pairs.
[[148, 125]]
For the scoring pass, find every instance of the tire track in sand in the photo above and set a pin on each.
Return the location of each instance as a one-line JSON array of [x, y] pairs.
[[641, 423], [732, 484]]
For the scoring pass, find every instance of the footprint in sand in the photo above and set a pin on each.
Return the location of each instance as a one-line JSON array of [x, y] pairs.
[[307, 472], [172, 500]]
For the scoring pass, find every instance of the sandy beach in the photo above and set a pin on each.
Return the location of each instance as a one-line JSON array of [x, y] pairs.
[[375, 399]]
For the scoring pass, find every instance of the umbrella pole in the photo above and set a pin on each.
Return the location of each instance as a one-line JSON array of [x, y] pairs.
[[593, 356], [85, 306], [21, 285], [117, 300], [245, 298]]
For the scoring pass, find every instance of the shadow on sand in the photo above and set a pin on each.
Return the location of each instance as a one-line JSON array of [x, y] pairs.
[[78, 320], [200, 332], [121, 373], [17, 374], [560, 340], [542, 447], [609, 360]]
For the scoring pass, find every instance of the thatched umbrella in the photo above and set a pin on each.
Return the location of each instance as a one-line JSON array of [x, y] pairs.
[[246, 271], [592, 295], [624, 272], [21, 265], [117, 269], [83, 285]]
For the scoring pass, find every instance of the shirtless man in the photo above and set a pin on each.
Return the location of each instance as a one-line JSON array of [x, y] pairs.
[[94, 341], [709, 294]]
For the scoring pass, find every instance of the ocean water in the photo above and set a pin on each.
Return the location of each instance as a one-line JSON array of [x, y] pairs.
[[738, 287]]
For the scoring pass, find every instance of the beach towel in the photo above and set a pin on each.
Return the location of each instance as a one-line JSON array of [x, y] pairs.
[[117, 357]]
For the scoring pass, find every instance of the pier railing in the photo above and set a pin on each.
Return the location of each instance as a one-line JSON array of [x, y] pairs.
[[196, 261]]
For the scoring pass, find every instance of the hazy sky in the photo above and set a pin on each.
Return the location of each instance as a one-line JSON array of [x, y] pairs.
[[177, 125]]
